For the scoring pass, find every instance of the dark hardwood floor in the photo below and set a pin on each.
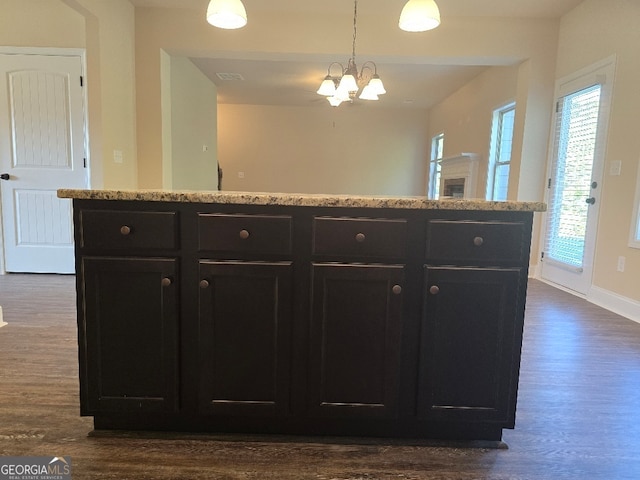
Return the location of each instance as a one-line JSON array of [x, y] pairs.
[[578, 409]]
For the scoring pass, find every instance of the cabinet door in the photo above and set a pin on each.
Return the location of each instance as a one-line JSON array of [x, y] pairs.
[[356, 333], [245, 336], [471, 332], [128, 335]]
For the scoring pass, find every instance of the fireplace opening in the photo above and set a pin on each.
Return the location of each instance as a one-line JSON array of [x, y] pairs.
[[453, 187]]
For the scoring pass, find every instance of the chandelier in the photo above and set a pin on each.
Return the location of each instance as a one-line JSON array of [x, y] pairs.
[[344, 87]]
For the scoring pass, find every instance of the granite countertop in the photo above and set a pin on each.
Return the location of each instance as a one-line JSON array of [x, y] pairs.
[[300, 199]]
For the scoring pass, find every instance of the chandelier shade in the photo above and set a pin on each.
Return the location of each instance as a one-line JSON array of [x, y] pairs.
[[327, 87], [228, 14], [368, 93], [376, 85], [419, 16]]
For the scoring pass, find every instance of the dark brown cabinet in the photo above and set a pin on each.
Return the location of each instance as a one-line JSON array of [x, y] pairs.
[[128, 335], [300, 320], [472, 320], [245, 336], [356, 333], [466, 362]]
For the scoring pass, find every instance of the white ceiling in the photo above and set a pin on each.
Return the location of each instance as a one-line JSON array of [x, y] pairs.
[[293, 80]]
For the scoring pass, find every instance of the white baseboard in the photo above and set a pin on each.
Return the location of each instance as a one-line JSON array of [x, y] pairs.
[[613, 302], [616, 303], [2, 323]]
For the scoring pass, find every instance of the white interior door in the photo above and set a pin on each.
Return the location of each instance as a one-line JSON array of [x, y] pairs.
[[42, 148], [573, 200]]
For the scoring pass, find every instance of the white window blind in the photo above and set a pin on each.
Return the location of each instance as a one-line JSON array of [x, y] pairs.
[[575, 140]]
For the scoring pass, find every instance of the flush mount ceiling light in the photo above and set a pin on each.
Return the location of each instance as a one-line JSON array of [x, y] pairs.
[[419, 16], [344, 86], [227, 14]]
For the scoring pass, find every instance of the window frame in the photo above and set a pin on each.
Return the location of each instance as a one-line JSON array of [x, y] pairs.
[[495, 147]]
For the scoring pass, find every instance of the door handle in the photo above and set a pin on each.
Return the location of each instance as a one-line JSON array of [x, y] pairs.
[[590, 200], [5, 176]]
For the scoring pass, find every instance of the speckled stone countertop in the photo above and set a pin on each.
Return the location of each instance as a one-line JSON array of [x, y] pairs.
[[300, 199]]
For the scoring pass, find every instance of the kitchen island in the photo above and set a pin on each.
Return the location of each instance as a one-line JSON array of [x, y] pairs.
[[300, 314]]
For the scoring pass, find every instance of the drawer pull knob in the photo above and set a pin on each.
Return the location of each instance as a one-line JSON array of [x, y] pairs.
[[125, 230], [244, 234], [478, 241], [204, 284], [397, 289], [434, 290], [360, 237], [166, 281]]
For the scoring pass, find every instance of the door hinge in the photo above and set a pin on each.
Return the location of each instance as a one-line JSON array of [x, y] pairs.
[[541, 255], [549, 184], [84, 163], [81, 81]]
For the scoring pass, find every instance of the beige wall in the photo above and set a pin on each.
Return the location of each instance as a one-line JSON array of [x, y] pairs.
[[40, 23], [346, 150], [109, 28], [592, 32], [465, 117], [494, 41], [190, 126]]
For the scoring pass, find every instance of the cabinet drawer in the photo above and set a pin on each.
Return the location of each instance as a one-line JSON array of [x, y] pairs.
[[365, 237], [244, 233], [472, 241], [120, 230]]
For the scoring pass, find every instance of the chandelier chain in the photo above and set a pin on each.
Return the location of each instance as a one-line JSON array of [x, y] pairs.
[[355, 30]]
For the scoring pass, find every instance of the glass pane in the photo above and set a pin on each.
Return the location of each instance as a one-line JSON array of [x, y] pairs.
[[501, 182], [506, 135], [575, 143], [437, 149], [500, 152]]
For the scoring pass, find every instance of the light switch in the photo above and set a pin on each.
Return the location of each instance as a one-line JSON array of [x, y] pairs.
[[240, 174]]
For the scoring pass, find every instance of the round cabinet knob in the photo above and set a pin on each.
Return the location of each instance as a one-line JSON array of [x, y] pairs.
[[434, 290], [396, 289], [244, 234], [204, 284], [478, 241], [125, 230], [166, 281], [5, 176], [360, 237]]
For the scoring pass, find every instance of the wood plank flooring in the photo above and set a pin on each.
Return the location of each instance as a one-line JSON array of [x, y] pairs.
[[578, 409]]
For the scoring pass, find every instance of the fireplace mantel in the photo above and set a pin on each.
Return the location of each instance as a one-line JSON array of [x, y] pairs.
[[459, 176]]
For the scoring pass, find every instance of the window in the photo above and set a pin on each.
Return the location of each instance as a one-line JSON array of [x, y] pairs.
[[634, 240], [437, 148], [500, 152]]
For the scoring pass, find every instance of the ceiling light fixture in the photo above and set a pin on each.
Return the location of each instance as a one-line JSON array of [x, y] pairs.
[[344, 87], [419, 16], [229, 14]]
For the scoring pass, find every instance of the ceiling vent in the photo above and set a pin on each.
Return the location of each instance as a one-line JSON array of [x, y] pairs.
[[229, 76]]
